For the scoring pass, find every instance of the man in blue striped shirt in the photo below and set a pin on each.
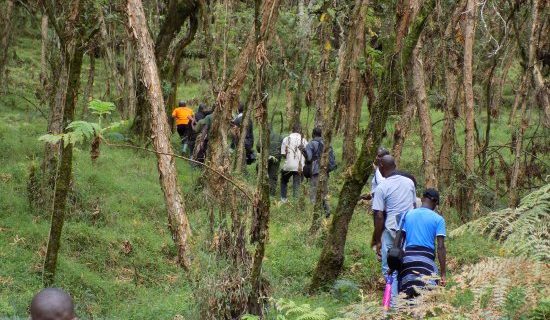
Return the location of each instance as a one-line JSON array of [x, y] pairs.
[[423, 227]]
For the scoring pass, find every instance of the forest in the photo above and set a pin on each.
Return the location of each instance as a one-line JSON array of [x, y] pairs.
[[147, 148]]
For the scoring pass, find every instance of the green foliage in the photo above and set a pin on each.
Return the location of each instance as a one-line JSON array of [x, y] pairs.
[[80, 131], [101, 108], [542, 311], [515, 300], [290, 310], [523, 231], [346, 291]]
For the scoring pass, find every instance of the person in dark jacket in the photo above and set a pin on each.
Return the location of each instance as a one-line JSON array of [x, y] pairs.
[[199, 115], [249, 138], [274, 159], [202, 129], [313, 152]]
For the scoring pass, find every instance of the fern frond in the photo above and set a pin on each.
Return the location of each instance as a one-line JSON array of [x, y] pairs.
[[523, 231]]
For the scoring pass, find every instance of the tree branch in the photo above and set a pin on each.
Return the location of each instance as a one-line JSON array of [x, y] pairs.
[[189, 160]]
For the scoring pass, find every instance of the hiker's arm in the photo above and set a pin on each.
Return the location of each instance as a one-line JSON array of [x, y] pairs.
[[442, 257], [378, 229], [197, 126]]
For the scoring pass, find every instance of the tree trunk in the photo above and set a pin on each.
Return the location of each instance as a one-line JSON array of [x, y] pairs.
[[542, 91], [331, 260], [227, 99], [5, 39], [428, 148], [129, 81], [89, 91], [451, 60], [55, 122], [470, 144], [44, 51], [523, 93], [402, 128], [405, 13], [322, 116], [64, 175], [111, 63], [177, 12], [352, 81], [519, 133], [68, 39], [177, 218], [260, 219]]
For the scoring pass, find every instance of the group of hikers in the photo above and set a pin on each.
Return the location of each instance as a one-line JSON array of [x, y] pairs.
[[407, 230], [301, 159]]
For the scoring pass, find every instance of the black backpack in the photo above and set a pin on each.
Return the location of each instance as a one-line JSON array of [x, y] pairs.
[[396, 253], [307, 171]]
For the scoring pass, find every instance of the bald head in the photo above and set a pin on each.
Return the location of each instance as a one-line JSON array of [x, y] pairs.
[[387, 165], [52, 304]]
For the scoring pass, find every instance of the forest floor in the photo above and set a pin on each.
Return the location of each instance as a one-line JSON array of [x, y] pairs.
[[117, 257]]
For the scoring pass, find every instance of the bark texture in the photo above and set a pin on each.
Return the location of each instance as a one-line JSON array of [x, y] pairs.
[[469, 112], [68, 37], [260, 218], [64, 175], [352, 84], [452, 82], [428, 148], [177, 218], [5, 39], [542, 91]]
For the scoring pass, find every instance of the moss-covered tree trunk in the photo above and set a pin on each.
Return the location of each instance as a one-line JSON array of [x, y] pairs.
[[89, 90], [331, 260], [177, 218], [452, 72], [44, 50], [352, 86], [66, 30], [64, 173], [539, 14], [5, 38], [260, 218]]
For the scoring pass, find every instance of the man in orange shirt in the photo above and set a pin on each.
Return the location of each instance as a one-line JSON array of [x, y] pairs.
[[182, 115]]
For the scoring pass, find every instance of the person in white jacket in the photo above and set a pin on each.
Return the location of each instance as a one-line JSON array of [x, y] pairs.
[[294, 161]]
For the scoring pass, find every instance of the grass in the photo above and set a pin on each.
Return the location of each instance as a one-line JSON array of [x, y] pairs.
[[118, 203]]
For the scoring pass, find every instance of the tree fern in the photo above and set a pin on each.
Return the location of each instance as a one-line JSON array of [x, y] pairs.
[[294, 311], [523, 231]]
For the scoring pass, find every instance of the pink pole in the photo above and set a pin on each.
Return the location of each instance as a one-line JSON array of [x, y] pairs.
[[387, 292]]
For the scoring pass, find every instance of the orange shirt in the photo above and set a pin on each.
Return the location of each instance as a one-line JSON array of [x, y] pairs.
[[182, 114]]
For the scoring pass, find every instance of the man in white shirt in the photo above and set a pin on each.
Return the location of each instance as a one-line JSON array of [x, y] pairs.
[[294, 161], [393, 197]]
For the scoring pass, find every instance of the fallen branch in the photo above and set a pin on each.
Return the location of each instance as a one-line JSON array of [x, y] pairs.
[[189, 160]]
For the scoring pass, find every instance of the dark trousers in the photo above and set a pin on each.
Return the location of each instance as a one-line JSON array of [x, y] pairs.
[[183, 131], [296, 180], [273, 173]]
